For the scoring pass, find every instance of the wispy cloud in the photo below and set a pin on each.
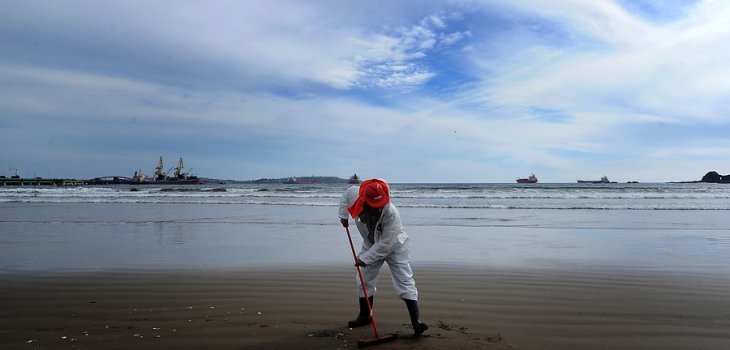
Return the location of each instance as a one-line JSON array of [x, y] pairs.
[[625, 65]]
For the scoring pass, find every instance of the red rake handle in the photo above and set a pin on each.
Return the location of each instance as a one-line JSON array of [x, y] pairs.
[[362, 283]]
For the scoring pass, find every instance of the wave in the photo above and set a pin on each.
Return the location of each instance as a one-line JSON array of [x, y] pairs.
[[485, 206], [223, 192], [187, 190], [442, 196]]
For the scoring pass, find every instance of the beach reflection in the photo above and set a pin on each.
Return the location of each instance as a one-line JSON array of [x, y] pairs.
[[102, 236]]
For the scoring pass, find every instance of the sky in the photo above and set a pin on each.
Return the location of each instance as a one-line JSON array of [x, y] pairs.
[[407, 91]]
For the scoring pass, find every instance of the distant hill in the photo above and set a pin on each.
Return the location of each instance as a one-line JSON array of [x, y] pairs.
[[285, 180]]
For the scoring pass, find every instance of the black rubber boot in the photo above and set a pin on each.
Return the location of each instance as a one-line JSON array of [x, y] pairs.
[[364, 317], [418, 326]]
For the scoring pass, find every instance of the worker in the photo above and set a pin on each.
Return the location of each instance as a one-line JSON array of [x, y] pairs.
[[384, 241]]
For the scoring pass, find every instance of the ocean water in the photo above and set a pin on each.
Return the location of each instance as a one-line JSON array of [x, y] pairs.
[[647, 226], [655, 196]]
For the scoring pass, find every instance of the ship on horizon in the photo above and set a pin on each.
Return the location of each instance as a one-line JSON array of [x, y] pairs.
[[299, 181], [529, 180], [160, 178], [603, 180], [353, 180]]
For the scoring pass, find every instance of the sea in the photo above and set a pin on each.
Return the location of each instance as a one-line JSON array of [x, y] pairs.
[[657, 226]]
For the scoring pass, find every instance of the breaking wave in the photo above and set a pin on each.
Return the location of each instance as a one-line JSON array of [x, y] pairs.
[[459, 196]]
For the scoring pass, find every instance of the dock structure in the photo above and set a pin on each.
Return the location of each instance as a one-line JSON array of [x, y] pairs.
[[111, 180], [161, 177], [16, 181]]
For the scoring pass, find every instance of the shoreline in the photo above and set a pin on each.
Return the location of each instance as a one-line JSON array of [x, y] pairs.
[[308, 307]]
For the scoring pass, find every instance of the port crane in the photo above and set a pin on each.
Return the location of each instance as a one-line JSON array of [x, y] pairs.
[[179, 174], [17, 173], [178, 170], [159, 175]]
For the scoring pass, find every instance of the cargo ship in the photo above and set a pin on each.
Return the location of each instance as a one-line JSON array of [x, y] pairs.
[[529, 180], [353, 180], [161, 178], [603, 180], [299, 181]]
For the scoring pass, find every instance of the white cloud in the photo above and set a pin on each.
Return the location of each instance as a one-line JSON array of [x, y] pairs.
[[251, 75], [661, 69], [403, 80], [453, 38], [435, 21], [304, 44]]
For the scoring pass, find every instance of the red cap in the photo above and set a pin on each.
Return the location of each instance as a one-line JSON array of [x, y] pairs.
[[376, 195], [374, 192]]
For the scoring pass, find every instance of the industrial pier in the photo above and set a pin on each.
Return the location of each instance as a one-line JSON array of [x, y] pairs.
[[14, 181]]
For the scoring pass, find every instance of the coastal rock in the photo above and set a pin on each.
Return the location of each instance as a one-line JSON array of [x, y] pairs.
[[714, 177]]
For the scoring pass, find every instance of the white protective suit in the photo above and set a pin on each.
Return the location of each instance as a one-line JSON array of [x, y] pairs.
[[391, 245]]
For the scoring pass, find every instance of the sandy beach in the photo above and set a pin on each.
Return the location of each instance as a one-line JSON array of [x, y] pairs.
[[307, 308], [187, 275]]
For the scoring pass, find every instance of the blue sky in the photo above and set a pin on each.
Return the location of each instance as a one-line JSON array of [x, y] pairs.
[[408, 91]]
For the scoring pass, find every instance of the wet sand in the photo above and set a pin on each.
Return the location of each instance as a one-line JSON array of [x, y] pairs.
[[308, 308]]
